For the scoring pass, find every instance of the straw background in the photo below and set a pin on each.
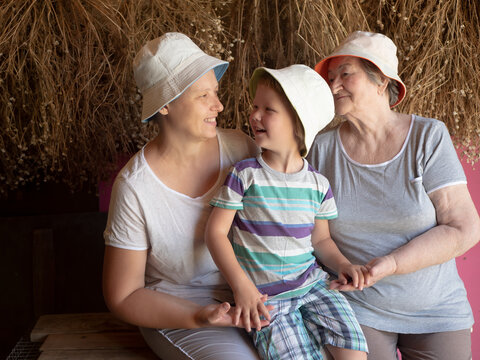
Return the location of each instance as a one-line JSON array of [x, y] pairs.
[[68, 101]]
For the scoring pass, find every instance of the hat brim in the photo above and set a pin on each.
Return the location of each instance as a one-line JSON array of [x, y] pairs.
[[314, 106], [165, 92], [322, 69]]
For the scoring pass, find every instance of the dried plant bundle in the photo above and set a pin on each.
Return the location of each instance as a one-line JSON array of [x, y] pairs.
[[69, 105]]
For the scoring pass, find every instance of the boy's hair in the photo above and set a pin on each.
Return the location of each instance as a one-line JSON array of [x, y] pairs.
[[298, 130]]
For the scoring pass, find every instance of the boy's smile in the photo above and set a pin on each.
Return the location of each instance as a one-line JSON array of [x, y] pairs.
[[272, 121]]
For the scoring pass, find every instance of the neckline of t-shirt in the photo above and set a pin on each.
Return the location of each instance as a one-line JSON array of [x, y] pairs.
[[280, 174], [149, 169], [407, 138]]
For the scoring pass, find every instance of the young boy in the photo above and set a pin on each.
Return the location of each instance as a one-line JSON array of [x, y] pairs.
[[279, 207]]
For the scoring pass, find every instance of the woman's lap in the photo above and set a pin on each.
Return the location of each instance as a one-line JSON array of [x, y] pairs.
[[214, 343], [206, 343], [436, 346]]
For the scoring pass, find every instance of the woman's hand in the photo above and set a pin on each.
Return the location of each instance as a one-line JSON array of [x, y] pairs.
[[351, 277], [374, 271], [224, 315], [381, 267]]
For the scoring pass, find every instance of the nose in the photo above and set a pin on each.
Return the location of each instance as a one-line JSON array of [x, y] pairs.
[[254, 115], [217, 104], [335, 84]]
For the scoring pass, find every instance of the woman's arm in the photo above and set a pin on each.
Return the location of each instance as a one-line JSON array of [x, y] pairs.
[[457, 231], [126, 297]]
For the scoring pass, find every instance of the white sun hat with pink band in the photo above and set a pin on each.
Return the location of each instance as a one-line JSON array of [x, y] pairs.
[[167, 66], [374, 47], [308, 93]]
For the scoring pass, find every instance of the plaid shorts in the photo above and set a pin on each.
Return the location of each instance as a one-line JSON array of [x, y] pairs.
[[301, 326]]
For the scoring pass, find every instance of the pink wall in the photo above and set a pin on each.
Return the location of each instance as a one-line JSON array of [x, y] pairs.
[[105, 187], [468, 264]]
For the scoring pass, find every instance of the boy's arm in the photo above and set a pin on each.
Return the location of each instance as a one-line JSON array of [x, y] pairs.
[[249, 301], [328, 253]]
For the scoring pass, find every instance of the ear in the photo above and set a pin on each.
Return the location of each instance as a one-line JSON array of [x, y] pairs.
[[383, 86], [164, 110]]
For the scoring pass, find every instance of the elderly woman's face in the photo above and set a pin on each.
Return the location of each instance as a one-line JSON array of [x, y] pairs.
[[352, 91]]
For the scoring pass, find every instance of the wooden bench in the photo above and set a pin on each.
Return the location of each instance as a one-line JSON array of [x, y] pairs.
[[88, 336]]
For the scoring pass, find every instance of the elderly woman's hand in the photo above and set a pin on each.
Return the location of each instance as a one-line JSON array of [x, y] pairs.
[[381, 267], [377, 269], [351, 277]]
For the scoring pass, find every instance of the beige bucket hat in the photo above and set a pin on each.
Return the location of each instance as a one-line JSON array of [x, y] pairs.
[[374, 47], [308, 93], [168, 65]]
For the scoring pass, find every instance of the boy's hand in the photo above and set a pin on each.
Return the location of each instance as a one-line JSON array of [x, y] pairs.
[[249, 306], [221, 315], [351, 277]]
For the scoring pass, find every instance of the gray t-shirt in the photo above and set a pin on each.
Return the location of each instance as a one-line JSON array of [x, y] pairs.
[[383, 206], [146, 214]]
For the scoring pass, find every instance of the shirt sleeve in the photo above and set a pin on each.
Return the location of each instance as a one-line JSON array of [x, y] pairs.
[[125, 225], [230, 194], [441, 167], [328, 207]]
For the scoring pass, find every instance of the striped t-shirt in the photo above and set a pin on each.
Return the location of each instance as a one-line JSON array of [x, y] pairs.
[[272, 227]]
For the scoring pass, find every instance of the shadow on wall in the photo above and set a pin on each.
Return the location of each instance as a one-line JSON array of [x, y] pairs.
[[50, 263]]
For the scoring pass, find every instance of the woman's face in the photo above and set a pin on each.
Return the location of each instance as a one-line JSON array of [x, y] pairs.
[[353, 92], [272, 120], [195, 111]]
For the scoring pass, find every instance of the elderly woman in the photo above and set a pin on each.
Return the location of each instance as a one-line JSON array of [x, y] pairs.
[[158, 273], [404, 207]]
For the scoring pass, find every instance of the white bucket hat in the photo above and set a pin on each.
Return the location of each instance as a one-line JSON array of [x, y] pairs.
[[166, 66], [374, 47], [308, 93]]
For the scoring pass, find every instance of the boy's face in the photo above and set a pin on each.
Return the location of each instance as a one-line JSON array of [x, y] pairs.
[[271, 120]]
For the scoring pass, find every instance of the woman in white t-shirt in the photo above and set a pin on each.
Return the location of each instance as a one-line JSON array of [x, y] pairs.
[[158, 273], [403, 204]]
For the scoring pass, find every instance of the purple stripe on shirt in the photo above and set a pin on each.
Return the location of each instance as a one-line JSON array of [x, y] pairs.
[[234, 183], [312, 169], [247, 163], [329, 194], [273, 229], [286, 285]]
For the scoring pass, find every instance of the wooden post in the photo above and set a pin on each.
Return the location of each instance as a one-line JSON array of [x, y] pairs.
[[43, 272]]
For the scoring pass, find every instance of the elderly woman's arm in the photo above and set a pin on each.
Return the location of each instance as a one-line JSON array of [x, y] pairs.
[[126, 297], [457, 231]]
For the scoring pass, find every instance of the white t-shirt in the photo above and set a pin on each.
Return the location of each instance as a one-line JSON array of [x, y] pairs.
[[146, 214]]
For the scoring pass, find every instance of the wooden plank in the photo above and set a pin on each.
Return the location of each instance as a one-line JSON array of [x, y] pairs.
[[124, 354], [43, 266], [77, 324], [96, 341]]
